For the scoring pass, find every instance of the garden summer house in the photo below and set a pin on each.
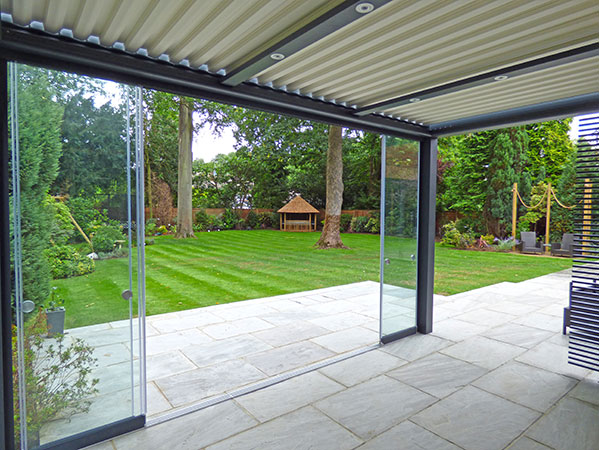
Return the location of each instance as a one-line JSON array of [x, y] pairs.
[[298, 215]]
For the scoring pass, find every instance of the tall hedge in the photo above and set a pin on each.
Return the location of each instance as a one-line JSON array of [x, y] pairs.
[[40, 118]]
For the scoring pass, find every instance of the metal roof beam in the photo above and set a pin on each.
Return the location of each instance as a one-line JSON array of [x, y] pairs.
[[558, 109], [324, 25], [60, 53], [558, 59]]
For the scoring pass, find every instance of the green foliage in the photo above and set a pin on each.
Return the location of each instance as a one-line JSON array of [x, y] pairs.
[[453, 237], [39, 118], [55, 302], [105, 238], [93, 140], [87, 215], [251, 221], [116, 253], [202, 221], [230, 220], [151, 226], [549, 148], [62, 226], [162, 229], [359, 224], [507, 159], [58, 381], [345, 222], [373, 225], [65, 262], [489, 239], [505, 245]]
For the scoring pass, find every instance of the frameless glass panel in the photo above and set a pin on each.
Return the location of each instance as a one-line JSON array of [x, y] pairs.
[[399, 243], [75, 255]]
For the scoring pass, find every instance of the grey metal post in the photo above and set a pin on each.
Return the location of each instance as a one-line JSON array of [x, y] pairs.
[[6, 400], [426, 234]]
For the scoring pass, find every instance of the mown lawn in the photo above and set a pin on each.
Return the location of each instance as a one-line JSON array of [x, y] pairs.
[[228, 266]]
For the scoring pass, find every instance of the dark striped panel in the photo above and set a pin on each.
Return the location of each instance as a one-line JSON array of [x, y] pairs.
[[584, 297]]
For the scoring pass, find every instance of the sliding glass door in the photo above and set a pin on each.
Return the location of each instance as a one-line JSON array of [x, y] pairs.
[[76, 198], [399, 243]]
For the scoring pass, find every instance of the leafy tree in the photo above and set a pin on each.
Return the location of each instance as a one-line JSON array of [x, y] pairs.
[[94, 148], [549, 147], [40, 118], [507, 159], [161, 115]]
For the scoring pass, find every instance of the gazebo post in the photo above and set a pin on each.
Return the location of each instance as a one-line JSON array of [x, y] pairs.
[[285, 223], [281, 222]]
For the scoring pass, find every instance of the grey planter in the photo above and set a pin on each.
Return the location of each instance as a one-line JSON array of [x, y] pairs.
[[55, 320]]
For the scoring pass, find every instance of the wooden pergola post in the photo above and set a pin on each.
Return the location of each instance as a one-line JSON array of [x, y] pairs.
[[285, 222], [280, 221]]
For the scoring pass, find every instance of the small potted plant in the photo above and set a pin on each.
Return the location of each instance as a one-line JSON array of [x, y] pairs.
[[55, 314]]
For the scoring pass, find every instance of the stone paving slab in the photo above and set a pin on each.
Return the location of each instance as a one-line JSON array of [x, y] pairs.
[[526, 398], [476, 420]]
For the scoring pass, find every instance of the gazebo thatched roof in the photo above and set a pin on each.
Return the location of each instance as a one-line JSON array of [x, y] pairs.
[[298, 205]]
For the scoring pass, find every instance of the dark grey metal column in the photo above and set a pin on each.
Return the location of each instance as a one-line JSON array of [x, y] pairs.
[[426, 234], [6, 408]]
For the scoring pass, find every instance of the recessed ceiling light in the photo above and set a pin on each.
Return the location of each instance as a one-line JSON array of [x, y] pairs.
[[501, 77], [277, 56], [364, 7], [414, 100]]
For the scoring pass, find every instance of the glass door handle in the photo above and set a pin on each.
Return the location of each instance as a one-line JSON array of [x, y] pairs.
[[413, 257], [387, 261], [127, 294]]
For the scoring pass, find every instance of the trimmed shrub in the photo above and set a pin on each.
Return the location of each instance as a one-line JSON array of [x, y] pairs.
[[105, 238], [66, 262], [87, 216], [62, 229], [345, 222]]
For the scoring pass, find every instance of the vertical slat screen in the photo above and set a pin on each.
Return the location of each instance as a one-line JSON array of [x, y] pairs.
[[584, 301]]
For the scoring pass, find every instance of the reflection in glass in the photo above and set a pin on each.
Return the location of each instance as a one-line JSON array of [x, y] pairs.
[[399, 235], [71, 201]]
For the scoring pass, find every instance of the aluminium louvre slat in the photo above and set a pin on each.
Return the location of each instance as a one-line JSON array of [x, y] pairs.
[[583, 347]]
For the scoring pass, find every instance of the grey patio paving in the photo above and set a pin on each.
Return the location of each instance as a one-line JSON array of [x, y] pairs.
[[498, 385]]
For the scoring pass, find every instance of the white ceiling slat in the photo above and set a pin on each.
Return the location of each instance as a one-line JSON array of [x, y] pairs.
[[400, 48], [452, 53]]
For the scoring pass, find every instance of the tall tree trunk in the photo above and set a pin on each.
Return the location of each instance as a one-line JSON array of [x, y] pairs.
[[331, 237], [184, 207]]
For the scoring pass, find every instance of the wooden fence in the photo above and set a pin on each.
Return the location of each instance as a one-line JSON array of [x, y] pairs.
[[243, 213]]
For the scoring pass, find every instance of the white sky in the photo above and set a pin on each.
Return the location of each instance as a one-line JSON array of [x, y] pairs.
[[207, 144]]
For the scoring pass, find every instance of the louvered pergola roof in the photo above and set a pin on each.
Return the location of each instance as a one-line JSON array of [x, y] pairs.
[[417, 68]]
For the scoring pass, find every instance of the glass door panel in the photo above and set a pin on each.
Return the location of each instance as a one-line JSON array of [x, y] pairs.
[[399, 245], [74, 174]]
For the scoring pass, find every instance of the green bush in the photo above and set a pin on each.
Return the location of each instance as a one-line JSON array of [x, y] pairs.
[[360, 224], [162, 229], [87, 216], [215, 223], [151, 227], [66, 262], [454, 237], [202, 221], [62, 228], [345, 222], [268, 220], [105, 238], [373, 225], [251, 221], [488, 238], [230, 219]]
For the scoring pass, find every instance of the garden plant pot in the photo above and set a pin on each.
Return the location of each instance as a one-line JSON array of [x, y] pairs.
[[55, 320]]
